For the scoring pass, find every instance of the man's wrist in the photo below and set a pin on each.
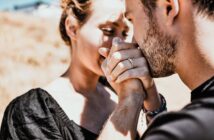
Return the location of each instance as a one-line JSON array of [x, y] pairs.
[[132, 97], [153, 113]]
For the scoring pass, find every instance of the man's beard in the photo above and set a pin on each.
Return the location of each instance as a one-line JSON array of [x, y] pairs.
[[159, 49]]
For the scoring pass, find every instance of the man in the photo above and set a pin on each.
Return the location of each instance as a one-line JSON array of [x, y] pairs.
[[175, 36]]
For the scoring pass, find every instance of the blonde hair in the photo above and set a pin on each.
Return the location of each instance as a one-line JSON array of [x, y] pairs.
[[79, 9]]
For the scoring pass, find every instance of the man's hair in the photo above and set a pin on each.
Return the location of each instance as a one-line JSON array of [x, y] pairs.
[[205, 7]]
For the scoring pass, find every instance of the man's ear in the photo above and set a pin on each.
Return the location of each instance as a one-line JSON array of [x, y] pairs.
[[172, 9], [71, 27]]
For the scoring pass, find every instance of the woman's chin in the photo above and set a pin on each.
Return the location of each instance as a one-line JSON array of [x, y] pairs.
[[101, 73]]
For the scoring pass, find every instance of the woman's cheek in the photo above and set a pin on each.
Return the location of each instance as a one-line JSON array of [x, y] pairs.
[[96, 39]]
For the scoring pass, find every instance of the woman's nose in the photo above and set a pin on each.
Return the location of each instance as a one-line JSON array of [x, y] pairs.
[[121, 35]]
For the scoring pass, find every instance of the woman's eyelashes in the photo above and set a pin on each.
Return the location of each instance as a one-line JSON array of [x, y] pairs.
[[108, 31], [125, 33]]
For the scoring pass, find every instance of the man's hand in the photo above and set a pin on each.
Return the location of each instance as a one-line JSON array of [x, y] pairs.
[[124, 66], [123, 121], [120, 71]]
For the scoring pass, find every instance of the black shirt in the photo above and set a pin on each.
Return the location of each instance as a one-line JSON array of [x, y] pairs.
[[193, 122], [37, 116]]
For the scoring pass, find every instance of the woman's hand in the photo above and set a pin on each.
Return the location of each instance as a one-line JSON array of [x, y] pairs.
[[125, 64], [124, 86]]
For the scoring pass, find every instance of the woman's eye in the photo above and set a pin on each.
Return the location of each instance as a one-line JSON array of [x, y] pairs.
[[108, 31], [129, 19]]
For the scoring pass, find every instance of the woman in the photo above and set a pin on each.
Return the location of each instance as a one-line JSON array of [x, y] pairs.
[[76, 105]]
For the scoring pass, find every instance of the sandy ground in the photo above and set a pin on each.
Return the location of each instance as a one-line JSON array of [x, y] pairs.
[[32, 54]]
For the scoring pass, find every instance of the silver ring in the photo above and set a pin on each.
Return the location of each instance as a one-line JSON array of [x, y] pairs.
[[131, 62]]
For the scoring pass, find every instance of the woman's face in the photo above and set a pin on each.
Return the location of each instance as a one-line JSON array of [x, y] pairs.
[[105, 22]]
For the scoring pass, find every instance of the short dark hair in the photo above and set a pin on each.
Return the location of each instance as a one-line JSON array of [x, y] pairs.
[[205, 7]]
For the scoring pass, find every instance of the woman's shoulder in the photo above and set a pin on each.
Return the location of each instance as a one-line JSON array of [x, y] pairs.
[[33, 104], [34, 93], [30, 116], [32, 97]]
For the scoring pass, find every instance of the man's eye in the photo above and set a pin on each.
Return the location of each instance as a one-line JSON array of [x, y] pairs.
[[108, 31]]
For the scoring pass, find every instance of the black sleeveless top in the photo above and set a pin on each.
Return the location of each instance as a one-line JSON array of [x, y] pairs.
[[37, 116]]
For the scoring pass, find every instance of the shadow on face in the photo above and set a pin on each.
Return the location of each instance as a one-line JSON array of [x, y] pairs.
[[104, 20]]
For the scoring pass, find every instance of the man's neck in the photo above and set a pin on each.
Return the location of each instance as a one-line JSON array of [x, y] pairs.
[[197, 58], [193, 76]]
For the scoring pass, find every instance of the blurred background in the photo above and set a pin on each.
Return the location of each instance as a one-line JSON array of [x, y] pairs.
[[32, 53]]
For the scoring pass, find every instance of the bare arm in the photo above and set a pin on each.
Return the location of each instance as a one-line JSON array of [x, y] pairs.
[[122, 123], [126, 77]]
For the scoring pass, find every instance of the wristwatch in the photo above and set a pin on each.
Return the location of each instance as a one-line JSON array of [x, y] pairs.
[[157, 111]]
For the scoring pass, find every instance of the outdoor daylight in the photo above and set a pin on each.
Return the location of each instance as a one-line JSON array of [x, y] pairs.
[[106, 69]]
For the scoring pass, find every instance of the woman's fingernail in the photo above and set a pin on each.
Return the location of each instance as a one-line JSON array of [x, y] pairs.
[[104, 52], [101, 51]]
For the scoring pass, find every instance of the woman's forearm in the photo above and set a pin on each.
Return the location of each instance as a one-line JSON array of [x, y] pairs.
[[122, 123]]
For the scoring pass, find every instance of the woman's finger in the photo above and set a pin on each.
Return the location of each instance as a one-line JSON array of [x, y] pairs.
[[133, 73], [118, 45], [126, 65], [119, 69], [120, 56]]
